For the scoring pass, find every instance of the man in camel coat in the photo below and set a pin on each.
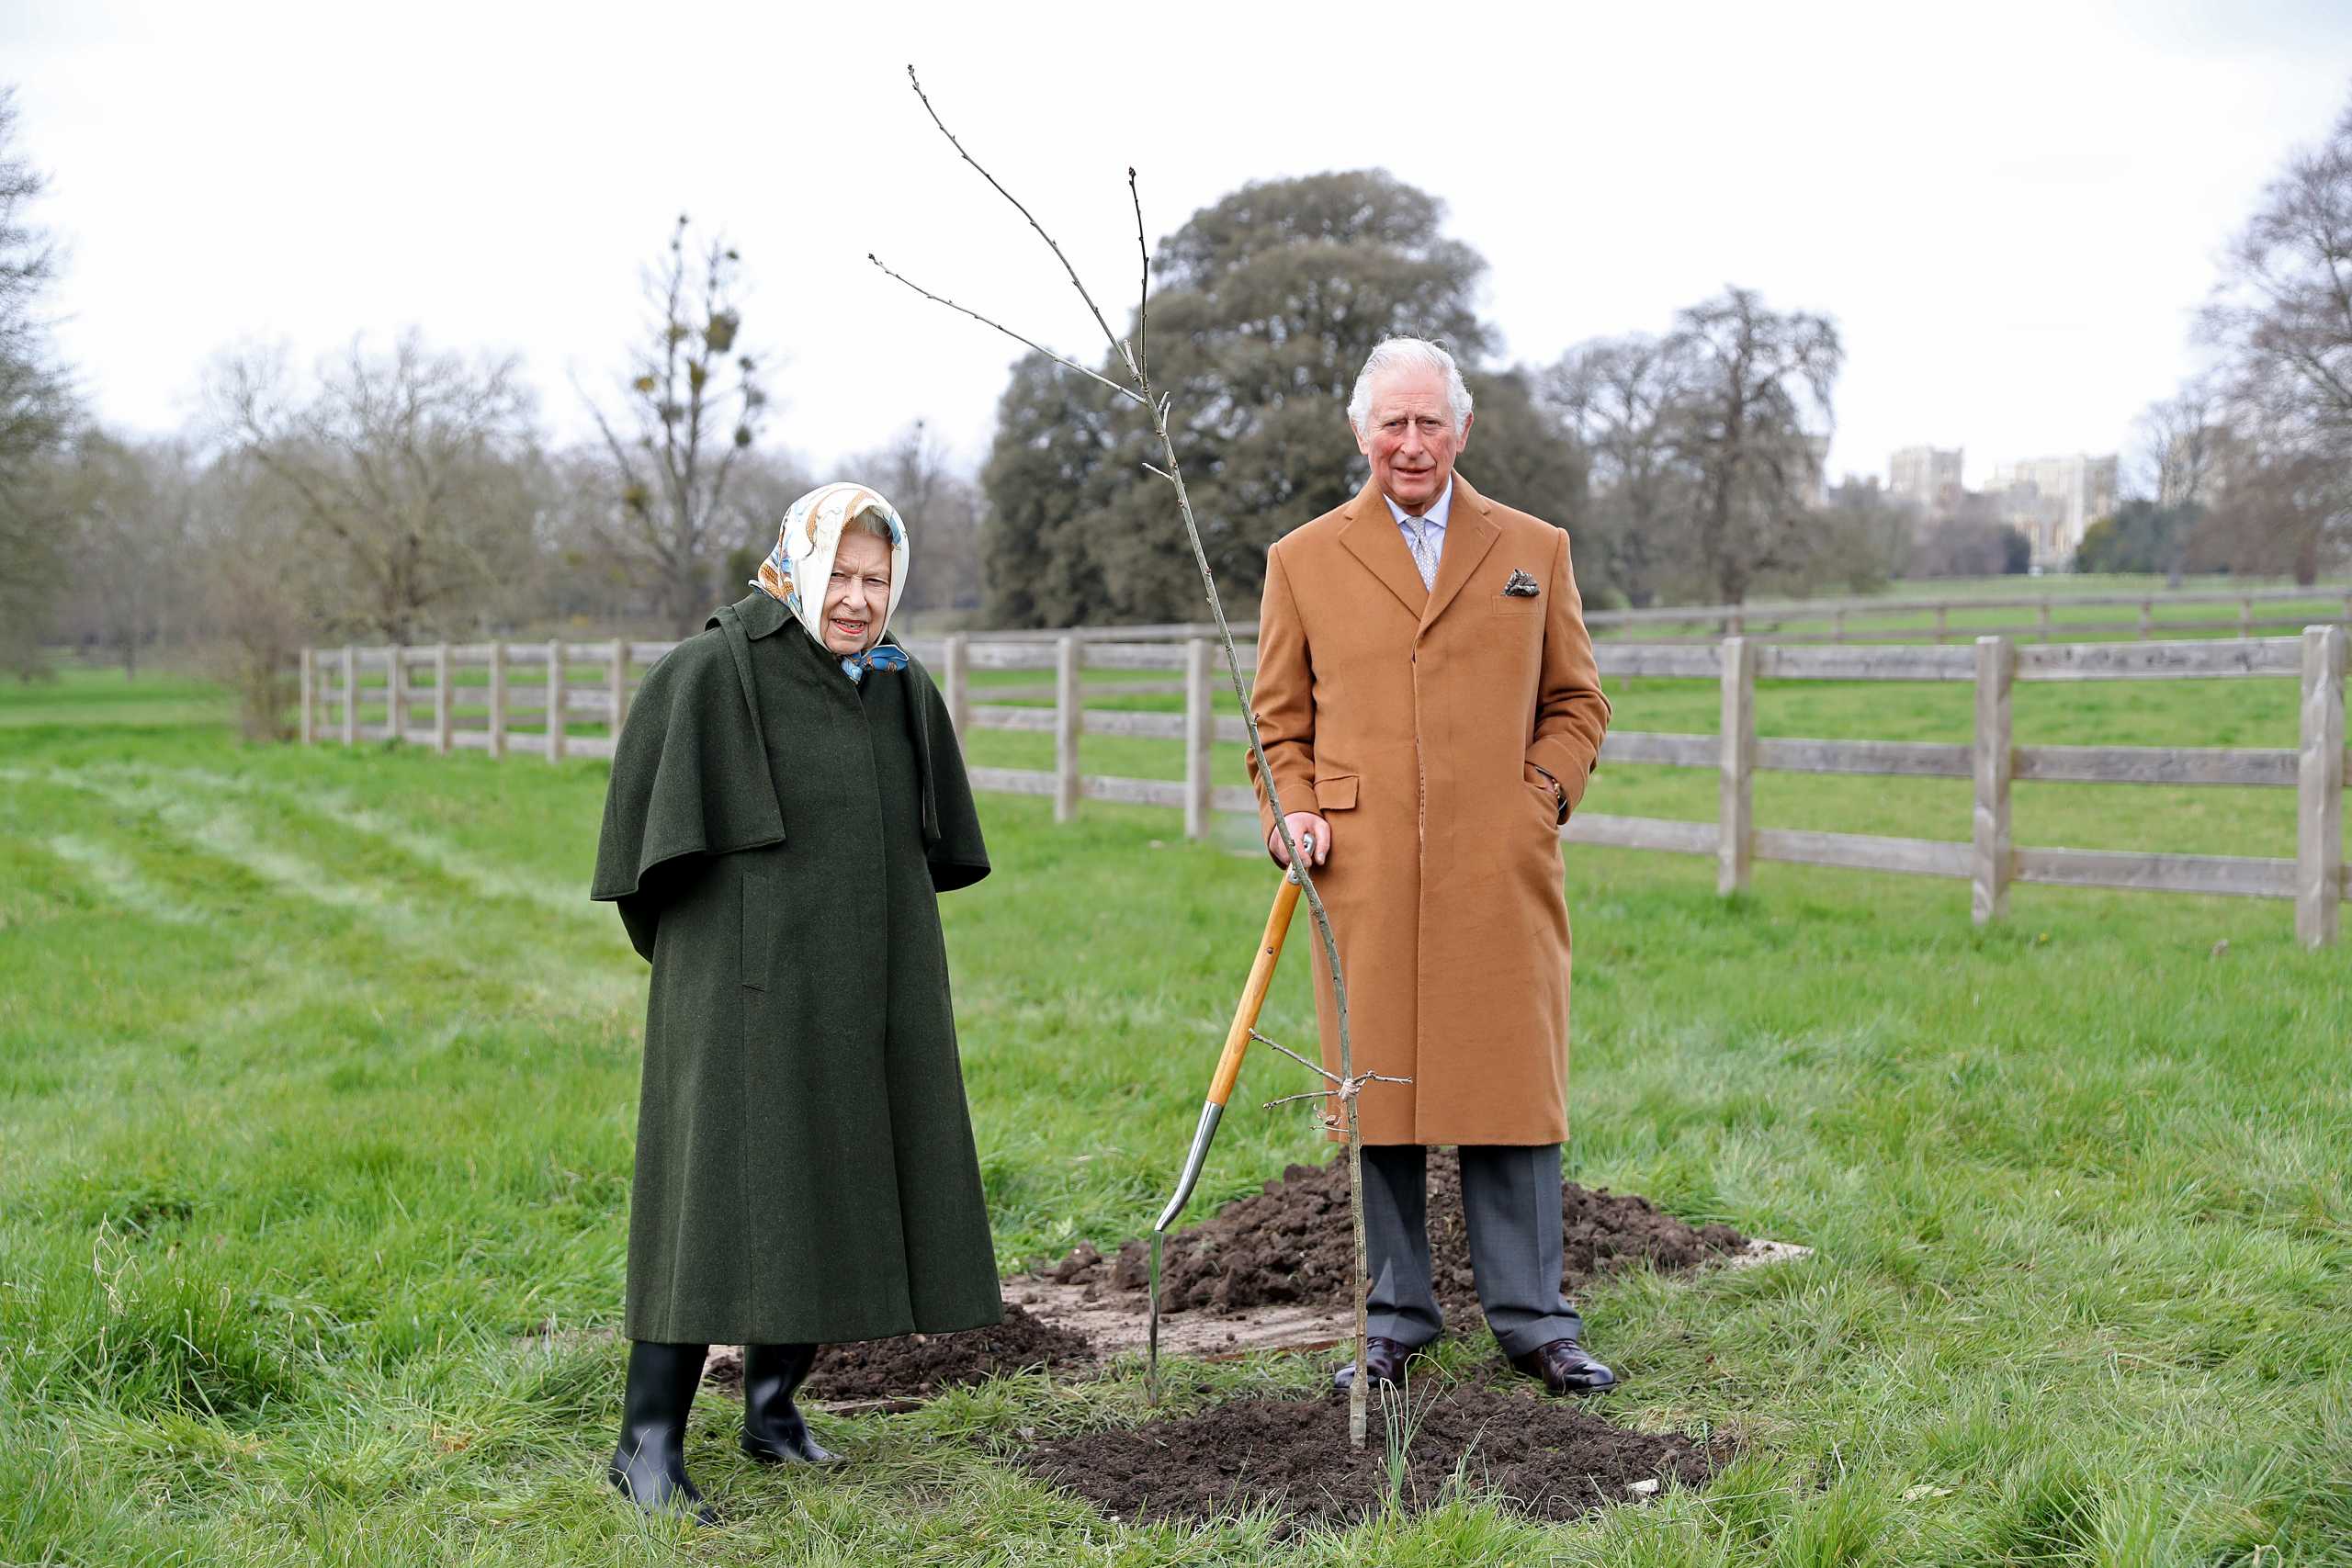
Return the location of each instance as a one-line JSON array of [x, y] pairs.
[[1430, 711]]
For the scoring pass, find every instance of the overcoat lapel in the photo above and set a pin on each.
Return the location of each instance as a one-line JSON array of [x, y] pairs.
[[1469, 534], [1373, 537]]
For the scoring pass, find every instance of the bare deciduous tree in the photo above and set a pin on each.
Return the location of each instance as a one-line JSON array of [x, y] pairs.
[[1756, 401], [941, 510], [128, 537], [259, 585], [694, 404], [1624, 398], [36, 410], [2282, 316], [2282, 507], [411, 473], [2283, 309], [2180, 444]]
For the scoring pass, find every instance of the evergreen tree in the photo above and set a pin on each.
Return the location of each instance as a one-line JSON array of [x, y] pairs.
[[1263, 310]]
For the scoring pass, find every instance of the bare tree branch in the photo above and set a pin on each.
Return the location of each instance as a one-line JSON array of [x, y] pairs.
[[1315, 1066], [1128, 393], [1108, 335], [1143, 289]]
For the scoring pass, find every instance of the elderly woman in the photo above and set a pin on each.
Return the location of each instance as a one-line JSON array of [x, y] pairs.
[[788, 800]]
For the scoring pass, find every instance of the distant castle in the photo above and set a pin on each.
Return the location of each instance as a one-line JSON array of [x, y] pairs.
[[2050, 501]]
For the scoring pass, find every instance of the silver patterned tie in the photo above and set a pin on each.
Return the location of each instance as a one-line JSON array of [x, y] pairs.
[[1423, 532]]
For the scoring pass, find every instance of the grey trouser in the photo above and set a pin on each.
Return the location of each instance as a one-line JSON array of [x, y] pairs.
[[1510, 1203]]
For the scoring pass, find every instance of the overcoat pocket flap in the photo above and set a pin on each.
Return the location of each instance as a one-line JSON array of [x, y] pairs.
[[1337, 792], [761, 891]]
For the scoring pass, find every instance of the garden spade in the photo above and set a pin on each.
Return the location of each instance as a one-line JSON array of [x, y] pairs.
[[1228, 1070]]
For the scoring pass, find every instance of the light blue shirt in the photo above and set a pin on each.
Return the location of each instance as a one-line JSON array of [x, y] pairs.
[[1436, 517], [1436, 514]]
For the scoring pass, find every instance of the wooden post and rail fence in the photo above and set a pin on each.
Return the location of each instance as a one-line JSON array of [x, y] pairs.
[[2021, 618], [333, 691]]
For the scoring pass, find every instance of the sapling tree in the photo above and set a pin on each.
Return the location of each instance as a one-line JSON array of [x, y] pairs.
[[1133, 357]]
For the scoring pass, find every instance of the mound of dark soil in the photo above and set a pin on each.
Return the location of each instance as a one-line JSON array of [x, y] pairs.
[[1546, 1457], [917, 1366], [1293, 1242]]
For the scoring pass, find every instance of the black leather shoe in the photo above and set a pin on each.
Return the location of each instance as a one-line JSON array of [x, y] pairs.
[[1565, 1367], [775, 1432], [1384, 1361], [649, 1465]]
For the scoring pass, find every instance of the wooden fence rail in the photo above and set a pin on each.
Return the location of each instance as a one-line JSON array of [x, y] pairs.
[[1849, 620], [2030, 615], [1991, 862]]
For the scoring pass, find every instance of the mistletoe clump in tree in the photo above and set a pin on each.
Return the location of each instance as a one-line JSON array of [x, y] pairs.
[[694, 405]]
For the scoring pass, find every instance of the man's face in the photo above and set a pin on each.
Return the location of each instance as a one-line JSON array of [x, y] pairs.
[[1409, 436], [859, 594]]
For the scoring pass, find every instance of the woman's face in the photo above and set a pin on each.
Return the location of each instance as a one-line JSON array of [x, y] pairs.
[[859, 594]]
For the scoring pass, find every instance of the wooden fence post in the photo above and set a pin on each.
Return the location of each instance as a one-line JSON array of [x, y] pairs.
[[957, 659], [2045, 620], [2147, 619], [555, 702], [1735, 842], [396, 692], [616, 679], [309, 725], [1943, 623], [1200, 734], [1995, 857], [2245, 616], [442, 715], [350, 695], [1836, 628], [1065, 727], [497, 702], [2319, 790]]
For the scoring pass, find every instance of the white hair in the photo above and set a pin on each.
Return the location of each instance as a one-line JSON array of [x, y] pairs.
[[1409, 354]]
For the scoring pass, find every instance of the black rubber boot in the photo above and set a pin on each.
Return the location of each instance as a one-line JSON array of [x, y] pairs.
[[649, 1466], [775, 1432]]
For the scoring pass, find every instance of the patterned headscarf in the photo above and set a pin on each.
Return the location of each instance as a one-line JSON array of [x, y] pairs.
[[804, 552]]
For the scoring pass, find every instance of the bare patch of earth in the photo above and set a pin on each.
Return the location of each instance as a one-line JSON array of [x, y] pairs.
[[1545, 1458], [915, 1367], [1293, 1244]]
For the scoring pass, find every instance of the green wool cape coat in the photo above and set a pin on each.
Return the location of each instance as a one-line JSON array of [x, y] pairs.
[[775, 837]]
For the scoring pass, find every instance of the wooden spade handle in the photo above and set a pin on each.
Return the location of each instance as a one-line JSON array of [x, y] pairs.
[[1253, 995]]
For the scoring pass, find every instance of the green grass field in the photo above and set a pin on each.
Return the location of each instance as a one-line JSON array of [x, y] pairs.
[[317, 1075]]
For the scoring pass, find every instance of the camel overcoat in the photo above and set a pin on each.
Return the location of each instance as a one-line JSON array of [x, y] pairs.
[[1416, 722]]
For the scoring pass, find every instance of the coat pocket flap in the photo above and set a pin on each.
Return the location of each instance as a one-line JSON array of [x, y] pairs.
[[1337, 792], [761, 899]]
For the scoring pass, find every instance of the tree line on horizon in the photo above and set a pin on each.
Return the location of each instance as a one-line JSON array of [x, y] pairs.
[[1686, 465], [410, 493]]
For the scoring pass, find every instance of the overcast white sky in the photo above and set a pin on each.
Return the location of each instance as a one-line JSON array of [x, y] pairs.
[[2011, 210]]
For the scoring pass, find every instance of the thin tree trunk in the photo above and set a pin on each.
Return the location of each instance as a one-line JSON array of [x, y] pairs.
[[1156, 405]]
